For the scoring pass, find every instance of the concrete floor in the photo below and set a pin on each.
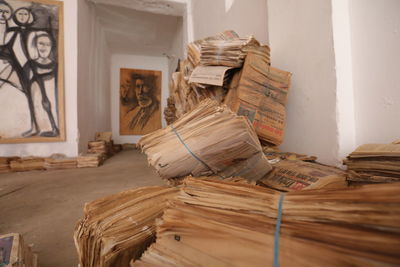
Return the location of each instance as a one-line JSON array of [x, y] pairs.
[[44, 206]]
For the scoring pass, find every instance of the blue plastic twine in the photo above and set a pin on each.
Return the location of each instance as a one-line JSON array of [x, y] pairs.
[[191, 152], [277, 231]]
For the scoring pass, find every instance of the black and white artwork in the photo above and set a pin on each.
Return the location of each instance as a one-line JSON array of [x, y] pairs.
[[31, 61]]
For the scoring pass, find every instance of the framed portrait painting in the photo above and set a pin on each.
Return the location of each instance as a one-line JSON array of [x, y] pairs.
[[31, 71], [140, 101]]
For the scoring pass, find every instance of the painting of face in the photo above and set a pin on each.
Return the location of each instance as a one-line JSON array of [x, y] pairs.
[[143, 93], [31, 71], [22, 15], [140, 95], [44, 46], [5, 13]]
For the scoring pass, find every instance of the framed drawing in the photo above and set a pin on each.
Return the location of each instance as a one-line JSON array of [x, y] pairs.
[[31, 71], [140, 98]]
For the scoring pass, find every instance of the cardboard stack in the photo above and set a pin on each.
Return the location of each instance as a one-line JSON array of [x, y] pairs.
[[218, 223], [27, 164], [14, 252], [120, 227], [89, 160], [374, 163], [60, 162], [211, 139]]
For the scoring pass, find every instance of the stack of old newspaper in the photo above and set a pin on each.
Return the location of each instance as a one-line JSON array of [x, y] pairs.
[[15, 253], [5, 163], [218, 223], [120, 227], [207, 71], [230, 53], [236, 71], [295, 175], [210, 139], [89, 160], [27, 164], [374, 163], [103, 144], [59, 162]]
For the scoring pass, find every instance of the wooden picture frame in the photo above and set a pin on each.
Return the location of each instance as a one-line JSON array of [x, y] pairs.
[[41, 59]]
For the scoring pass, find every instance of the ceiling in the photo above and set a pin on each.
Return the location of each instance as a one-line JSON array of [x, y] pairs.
[[132, 31]]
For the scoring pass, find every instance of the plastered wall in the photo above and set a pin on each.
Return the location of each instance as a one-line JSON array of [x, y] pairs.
[[301, 39], [375, 40], [245, 17], [119, 61], [70, 146], [94, 105]]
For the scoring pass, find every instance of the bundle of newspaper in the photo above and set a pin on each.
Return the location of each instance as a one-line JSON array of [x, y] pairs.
[[294, 175], [194, 48], [209, 140], [230, 53], [103, 144], [196, 81], [218, 223], [374, 163], [5, 163], [260, 92], [27, 164], [275, 155], [120, 227], [60, 162], [14, 252], [184, 96], [89, 160], [100, 147]]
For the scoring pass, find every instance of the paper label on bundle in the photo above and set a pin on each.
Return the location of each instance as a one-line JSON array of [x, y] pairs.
[[212, 75], [295, 175]]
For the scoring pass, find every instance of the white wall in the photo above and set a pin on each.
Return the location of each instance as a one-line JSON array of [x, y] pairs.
[[119, 61], [301, 40], [70, 146], [375, 38], [344, 76], [94, 107], [245, 17], [176, 50]]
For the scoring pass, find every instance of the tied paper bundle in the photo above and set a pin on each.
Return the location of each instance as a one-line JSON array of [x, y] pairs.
[[27, 164], [374, 163], [60, 162], [120, 227], [5, 163], [294, 175], [216, 223], [260, 92], [89, 161], [230, 53], [185, 96], [211, 139], [194, 48], [100, 147], [103, 144], [14, 252]]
